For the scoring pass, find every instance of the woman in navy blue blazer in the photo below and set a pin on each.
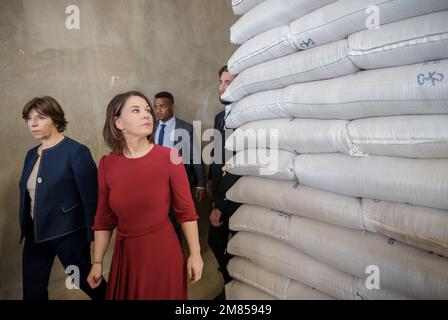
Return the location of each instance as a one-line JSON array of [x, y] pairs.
[[58, 199]]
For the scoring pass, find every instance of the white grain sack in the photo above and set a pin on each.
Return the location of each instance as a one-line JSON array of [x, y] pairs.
[[300, 200], [272, 163], [405, 269], [337, 21], [274, 43], [409, 41], [424, 228], [271, 283], [237, 290], [324, 62], [421, 136], [421, 182], [342, 18], [420, 227], [296, 135], [406, 90], [286, 260], [240, 7], [271, 14]]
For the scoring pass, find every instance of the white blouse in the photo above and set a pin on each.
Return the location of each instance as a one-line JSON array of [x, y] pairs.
[[31, 185]]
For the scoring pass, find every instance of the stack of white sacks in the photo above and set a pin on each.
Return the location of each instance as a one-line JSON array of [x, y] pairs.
[[342, 142]]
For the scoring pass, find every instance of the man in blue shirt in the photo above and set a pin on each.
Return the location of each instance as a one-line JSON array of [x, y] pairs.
[[173, 132]]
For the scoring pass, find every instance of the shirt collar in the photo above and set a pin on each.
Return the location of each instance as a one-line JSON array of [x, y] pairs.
[[170, 123]]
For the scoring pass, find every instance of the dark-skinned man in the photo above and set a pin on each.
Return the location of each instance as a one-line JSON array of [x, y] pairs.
[[173, 132]]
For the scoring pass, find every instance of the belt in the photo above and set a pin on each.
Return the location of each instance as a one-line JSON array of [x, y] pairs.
[[119, 251]]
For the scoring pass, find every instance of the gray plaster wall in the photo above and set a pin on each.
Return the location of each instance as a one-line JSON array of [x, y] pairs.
[[150, 45]]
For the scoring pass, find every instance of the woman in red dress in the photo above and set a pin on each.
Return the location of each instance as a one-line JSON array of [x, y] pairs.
[[138, 181]]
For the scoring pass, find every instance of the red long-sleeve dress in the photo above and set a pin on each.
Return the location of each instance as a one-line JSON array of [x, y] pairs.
[[134, 197]]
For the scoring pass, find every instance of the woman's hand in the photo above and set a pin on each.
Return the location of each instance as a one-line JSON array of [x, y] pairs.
[[95, 276], [194, 267], [194, 263]]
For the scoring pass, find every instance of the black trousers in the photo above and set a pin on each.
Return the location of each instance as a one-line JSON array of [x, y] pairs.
[[38, 258], [218, 238]]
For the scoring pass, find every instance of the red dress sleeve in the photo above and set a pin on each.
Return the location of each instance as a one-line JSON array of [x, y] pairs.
[[183, 205], [105, 218]]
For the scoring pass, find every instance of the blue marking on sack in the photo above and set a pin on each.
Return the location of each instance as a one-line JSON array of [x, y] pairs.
[[432, 77], [307, 44]]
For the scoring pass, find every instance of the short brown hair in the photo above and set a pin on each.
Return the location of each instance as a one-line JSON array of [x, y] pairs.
[[112, 135], [47, 106], [222, 70]]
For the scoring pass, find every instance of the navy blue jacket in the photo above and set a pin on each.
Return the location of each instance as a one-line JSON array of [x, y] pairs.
[[195, 171], [66, 193], [222, 182]]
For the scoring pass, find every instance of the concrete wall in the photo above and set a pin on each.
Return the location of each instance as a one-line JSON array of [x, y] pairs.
[[151, 45]]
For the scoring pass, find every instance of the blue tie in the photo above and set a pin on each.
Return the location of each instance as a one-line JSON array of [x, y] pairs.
[[161, 134]]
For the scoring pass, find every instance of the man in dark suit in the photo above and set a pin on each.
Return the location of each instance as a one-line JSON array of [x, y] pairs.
[[173, 132], [218, 184]]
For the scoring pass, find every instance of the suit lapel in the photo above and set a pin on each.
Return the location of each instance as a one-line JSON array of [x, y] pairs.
[[179, 139], [221, 121]]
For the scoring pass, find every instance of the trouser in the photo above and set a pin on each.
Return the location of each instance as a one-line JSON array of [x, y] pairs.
[[38, 258], [218, 237]]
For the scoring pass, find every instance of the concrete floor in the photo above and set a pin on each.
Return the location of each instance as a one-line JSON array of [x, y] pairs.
[[206, 289]]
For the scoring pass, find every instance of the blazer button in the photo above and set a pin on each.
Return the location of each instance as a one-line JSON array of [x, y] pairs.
[[39, 180]]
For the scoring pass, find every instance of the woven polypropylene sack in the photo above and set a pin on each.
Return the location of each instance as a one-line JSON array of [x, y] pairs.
[[420, 227], [406, 90], [411, 271], [237, 290], [335, 21], [269, 45], [272, 163], [286, 260], [300, 200], [342, 18], [409, 41], [271, 14], [325, 62], [240, 7], [296, 135], [271, 283], [421, 136], [421, 182]]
